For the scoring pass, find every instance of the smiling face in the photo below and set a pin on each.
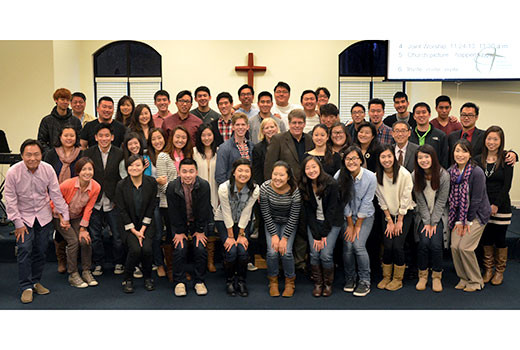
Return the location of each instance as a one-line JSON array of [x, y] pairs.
[[184, 104], [312, 169], [265, 104], [32, 157], [468, 117], [105, 111], [104, 138], [401, 105], [246, 97], [270, 128], [320, 137], [338, 136], [322, 98], [493, 141], [240, 127], [376, 113], [68, 138], [387, 158], [62, 103], [224, 106], [87, 172], [401, 133], [461, 156], [424, 160], [136, 168], [281, 96], [358, 115], [309, 102], [296, 126], [188, 173], [202, 98], [353, 162], [279, 177], [133, 146], [162, 103], [365, 135], [179, 139], [158, 141], [126, 109], [78, 105], [421, 116], [207, 137], [328, 119], [242, 174], [145, 116]]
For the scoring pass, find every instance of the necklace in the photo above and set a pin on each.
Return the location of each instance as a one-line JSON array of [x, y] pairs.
[[490, 172]]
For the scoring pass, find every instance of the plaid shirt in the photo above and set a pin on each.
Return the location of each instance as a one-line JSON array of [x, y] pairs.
[[384, 134], [243, 149], [225, 128]]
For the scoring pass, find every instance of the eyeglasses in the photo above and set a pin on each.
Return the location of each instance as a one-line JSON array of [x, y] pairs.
[[246, 94], [186, 102], [358, 113], [400, 131], [353, 159], [468, 115], [283, 92]]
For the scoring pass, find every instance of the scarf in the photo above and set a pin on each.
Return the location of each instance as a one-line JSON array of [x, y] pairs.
[[65, 172], [459, 194]]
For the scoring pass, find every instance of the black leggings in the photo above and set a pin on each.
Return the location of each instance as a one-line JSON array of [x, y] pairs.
[[494, 235], [394, 247]]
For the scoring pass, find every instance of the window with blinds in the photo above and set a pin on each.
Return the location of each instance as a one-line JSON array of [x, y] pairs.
[[361, 90], [128, 68]]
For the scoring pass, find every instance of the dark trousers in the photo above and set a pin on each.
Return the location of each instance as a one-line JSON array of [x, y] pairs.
[[158, 258], [394, 247], [137, 254], [96, 232], [180, 259], [494, 235], [374, 242], [238, 252], [431, 246], [31, 254], [300, 244]]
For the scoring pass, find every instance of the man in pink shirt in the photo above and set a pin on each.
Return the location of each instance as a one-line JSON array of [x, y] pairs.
[[183, 116], [28, 186], [161, 99]]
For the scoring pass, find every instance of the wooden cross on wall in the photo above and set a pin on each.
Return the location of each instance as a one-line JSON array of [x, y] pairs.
[[250, 69]]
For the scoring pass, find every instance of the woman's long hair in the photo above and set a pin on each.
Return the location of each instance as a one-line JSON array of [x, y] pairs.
[[150, 151], [241, 161], [327, 159], [290, 181], [128, 137], [119, 115], [381, 170], [345, 179], [500, 153], [187, 150], [135, 125], [435, 170], [198, 141]]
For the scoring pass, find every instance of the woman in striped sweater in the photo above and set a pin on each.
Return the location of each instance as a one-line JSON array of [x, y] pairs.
[[280, 205]]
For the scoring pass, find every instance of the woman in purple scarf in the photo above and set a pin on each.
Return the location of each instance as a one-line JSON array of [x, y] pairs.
[[469, 212]]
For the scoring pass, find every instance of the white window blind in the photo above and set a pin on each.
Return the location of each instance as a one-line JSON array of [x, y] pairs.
[[141, 90], [385, 90], [351, 92]]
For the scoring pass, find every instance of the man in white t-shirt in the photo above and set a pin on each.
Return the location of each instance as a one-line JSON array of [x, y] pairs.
[[282, 107]]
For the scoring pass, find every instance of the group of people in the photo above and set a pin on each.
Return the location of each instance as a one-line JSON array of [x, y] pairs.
[[167, 187]]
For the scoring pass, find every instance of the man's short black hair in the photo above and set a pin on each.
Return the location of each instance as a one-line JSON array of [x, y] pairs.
[[470, 105], [325, 91], [105, 98], [187, 161], [161, 93], [357, 105], [224, 95], [442, 98], [400, 94], [376, 101], [246, 86], [422, 104], [264, 94], [102, 126], [80, 95], [184, 93], [283, 85], [202, 89], [31, 142], [305, 92], [329, 109]]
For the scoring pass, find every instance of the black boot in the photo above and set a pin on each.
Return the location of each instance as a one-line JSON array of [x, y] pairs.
[[242, 274], [229, 272]]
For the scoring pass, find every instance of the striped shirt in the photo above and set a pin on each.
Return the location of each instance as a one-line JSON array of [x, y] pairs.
[[279, 209]]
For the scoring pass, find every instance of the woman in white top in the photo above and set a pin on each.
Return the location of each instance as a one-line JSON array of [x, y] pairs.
[[205, 154], [394, 193]]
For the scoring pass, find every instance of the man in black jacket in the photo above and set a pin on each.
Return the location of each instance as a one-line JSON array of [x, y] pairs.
[[106, 158], [61, 114], [190, 211], [401, 104]]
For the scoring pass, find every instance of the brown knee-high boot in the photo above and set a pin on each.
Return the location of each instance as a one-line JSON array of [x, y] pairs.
[[500, 266], [489, 262], [211, 253]]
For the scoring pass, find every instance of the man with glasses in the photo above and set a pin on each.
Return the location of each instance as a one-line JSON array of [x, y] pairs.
[[404, 150], [424, 132], [183, 116], [357, 111], [282, 107], [246, 94]]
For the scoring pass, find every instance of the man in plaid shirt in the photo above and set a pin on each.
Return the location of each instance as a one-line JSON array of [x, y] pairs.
[[223, 127], [376, 111]]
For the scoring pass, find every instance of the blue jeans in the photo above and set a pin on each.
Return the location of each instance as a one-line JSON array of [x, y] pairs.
[[431, 245], [356, 252], [31, 254], [158, 258], [273, 256], [96, 231], [237, 252], [325, 256]]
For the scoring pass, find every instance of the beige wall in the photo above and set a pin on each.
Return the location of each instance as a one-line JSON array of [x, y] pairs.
[[40, 67]]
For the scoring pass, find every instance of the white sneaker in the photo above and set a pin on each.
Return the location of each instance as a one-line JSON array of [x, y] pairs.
[[200, 289], [98, 270], [138, 273], [119, 269], [251, 267], [180, 290]]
